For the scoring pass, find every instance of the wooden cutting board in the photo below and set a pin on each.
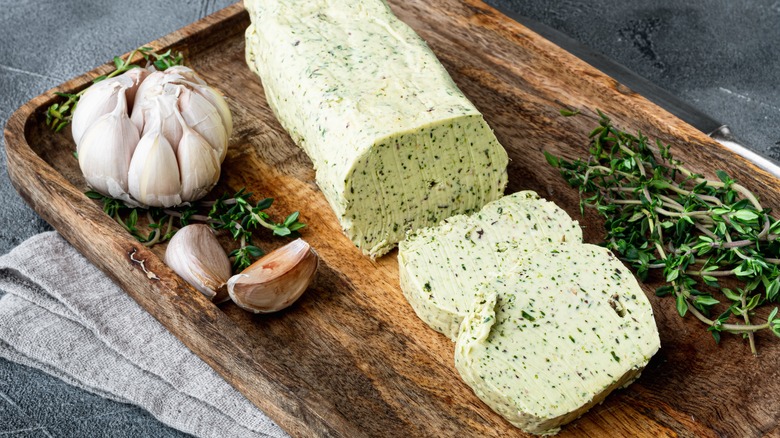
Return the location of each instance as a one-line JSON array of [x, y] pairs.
[[351, 358]]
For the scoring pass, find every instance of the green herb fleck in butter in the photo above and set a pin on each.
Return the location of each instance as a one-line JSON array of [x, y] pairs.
[[441, 267], [395, 144], [545, 342]]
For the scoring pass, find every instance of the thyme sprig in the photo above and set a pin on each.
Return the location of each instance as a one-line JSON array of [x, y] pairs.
[[59, 115], [699, 232], [234, 213]]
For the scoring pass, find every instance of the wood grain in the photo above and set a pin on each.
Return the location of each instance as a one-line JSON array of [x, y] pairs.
[[351, 358]]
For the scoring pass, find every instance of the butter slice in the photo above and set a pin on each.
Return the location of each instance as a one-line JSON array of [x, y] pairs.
[[545, 342], [395, 144], [442, 267]]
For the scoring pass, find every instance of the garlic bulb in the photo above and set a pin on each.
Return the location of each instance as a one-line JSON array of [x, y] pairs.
[[168, 138], [195, 254], [276, 280]]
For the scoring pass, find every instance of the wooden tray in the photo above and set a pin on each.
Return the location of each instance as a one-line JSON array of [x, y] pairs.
[[351, 358]]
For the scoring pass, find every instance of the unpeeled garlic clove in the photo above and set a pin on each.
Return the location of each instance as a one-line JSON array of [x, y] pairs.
[[196, 255], [216, 99], [144, 98], [276, 280], [163, 117], [101, 99], [106, 151], [98, 101], [199, 164], [204, 118], [153, 177], [185, 76]]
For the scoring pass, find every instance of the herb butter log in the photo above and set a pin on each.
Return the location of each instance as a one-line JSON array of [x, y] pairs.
[[441, 267], [395, 144], [547, 341]]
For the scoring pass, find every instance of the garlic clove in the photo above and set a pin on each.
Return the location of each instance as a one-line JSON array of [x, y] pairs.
[[199, 164], [106, 150], [276, 280], [196, 255], [204, 118], [144, 98], [182, 75], [219, 103], [153, 177], [161, 115], [99, 100]]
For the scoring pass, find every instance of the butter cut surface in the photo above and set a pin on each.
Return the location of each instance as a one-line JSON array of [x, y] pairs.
[[442, 267], [395, 144], [550, 339]]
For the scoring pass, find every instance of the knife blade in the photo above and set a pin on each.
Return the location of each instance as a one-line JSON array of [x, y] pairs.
[[718, 131]]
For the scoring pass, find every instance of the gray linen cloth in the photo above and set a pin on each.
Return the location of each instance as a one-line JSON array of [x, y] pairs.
[[62, 315]]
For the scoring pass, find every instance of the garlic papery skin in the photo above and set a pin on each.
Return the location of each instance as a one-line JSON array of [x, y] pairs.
[[276, 280], [132, 80], [198, 164], [106, 151], [178, 73], [196, 255], [153, 177]]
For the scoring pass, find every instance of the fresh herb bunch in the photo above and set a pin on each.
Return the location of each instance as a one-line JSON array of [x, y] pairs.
[[235, 213], [59, 115], [699, 232]]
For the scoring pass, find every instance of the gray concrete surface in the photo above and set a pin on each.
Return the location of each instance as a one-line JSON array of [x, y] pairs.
[[719, 55]]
